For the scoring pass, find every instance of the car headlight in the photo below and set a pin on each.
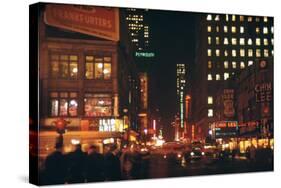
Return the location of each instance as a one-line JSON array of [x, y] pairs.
[[192, 153], [179, 155], [203, 153], [164, 156]]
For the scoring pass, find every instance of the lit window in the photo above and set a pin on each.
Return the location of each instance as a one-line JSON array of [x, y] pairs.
[[250, 19], [257, 19], [210, 100], [97, 105], [225, 41], [209, 40], [241, 29], [258, 41], [210, 113], [226, 17], [209, 52], [265, 42], [272, 30], [265, 30], [64, 66], [218, 77], [233, 18], [257, 30], [242, 41], [272, 52], [250, 52], [217, 52], [225, 53], [250, 63], [209, 17], [234, 64], [250, 42], [217, 40], [241, 18], [209, 64], [226, 75], [233, 41], [272, 41], [242, 65], [98, 67], [225, 29], [242, 52], [265, 52], [258, 52], [233, 53], [217, 18], [63, 104], [217, 29], [265, 19], [233, 29], [226, 64], [209, 28], [210, 77]]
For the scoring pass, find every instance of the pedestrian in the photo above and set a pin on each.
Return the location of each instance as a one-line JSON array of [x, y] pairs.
[[76, 165], [55, 166], [252, 151], [94, 166], [112, 166]]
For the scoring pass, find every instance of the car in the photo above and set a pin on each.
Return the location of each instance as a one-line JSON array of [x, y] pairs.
[[173, 151], [196, 153]]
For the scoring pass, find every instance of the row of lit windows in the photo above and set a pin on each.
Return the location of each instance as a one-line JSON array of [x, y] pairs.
[[234, 41], [234, 18], [242, 53], [226, 64], [218, 76], [234, 29], [66, 66]]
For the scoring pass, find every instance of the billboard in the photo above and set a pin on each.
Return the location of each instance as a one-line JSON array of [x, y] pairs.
[[96, 21]]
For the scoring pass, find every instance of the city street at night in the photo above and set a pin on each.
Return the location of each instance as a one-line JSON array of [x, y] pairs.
[[123, 95]]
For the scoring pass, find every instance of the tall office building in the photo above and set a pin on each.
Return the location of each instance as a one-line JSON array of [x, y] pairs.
[[226, 45], [139, 31], [181, 82]]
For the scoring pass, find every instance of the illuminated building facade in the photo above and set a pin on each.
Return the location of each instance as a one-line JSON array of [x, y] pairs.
[[227, 44], [143, 113], [87, 81], [139, 32], [181, 83]]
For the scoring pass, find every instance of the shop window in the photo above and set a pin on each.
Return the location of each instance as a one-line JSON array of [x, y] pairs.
[[64, 66], [63, 104], [97, 105], [98, 67]]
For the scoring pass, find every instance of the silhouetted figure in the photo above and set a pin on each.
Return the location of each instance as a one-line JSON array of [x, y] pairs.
[[55, 167], [76, 166], [112, 164], [94, 166]]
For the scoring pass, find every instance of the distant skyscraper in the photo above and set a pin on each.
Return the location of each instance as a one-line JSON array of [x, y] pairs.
[[226, 45], [181, 83], [139, 31]]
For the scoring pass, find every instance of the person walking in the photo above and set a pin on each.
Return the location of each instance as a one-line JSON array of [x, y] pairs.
[[55, 167], [76, 166], [94, 165], [112, 164]]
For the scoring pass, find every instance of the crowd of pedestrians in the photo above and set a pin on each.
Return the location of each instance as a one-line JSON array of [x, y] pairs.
[[79, 167]]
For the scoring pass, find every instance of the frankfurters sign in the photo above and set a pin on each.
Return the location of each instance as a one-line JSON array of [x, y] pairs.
[[96, 21]]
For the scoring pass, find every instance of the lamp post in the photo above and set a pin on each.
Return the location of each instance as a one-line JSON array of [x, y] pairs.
[[60, 124]]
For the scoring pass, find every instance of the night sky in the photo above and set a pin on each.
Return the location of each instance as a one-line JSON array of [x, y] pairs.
[[173, 40]]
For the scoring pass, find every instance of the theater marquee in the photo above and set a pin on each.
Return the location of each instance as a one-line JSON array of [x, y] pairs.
[[96, 21]]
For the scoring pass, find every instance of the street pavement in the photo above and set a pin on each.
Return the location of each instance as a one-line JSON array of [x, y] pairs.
[[158, 167]]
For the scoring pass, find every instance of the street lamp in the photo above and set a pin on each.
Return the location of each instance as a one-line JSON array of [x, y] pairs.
[[145, 135]]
